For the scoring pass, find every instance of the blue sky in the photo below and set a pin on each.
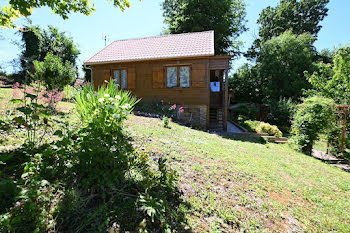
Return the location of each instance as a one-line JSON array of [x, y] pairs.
[[144, 18]]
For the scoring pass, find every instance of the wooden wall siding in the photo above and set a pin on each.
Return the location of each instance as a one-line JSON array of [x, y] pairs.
[[218, 64], [199, 75], [150, 80], [131, 79], [157, 77]]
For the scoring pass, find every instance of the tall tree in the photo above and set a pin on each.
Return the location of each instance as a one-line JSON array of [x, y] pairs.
[[333, 80], [225, 17], [23, 8], [279, 69], [37, 43], [299, 16]]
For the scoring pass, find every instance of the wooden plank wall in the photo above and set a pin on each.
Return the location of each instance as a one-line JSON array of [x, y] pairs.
[[150, 80]]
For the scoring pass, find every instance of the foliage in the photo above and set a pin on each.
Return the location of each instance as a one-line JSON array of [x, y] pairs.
[[282, 62], [226, 18], [38, 43], [53, 72], [90, 179], [281, 112], [244, 112], [158, 107], [298, 16], [333, 81], [314, 116], [271, 130], [23, 8], [246, 84], [279, 70], [251, 125], [165, 122], [33, 116], [262, 127]]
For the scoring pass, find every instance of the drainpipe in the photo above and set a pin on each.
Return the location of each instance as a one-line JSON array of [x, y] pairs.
[[89, 68]]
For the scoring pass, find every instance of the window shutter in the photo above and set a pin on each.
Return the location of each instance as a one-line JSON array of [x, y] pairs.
[[198, 76], [157, 77], [131, 78]]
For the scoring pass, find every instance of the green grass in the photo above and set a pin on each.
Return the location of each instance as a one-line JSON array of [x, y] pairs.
[[233, 184]]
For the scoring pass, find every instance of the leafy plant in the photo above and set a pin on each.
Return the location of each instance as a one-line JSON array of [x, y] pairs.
[[33, 116], [53, 72], [314, 116], [271, 130], [165, 122]]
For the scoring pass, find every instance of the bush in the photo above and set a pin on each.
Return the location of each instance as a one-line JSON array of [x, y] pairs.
[[244, 112], [251, 125], [53, 72], [281, 113], [91, 179], [271, 130], [158, 107], [315, 115], [165, 122], [262, 127]]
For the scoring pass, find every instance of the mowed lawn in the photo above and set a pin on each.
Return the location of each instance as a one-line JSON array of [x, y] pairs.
[[232, 184]]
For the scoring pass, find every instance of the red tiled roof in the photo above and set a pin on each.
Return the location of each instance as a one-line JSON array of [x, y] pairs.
[[158, 47]]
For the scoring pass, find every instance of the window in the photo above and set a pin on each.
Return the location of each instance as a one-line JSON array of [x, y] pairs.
[[121, 78], [178, 76]]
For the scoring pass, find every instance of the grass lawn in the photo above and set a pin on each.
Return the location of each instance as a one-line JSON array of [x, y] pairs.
[[235, 184], [232, 184]]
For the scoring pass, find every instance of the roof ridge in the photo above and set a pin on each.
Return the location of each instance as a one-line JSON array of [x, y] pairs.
[[167, 35]]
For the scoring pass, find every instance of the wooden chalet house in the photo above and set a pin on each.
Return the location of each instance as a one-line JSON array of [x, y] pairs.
[[178, 69]]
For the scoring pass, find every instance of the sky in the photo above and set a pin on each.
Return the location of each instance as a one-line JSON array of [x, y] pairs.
[[144, 18]]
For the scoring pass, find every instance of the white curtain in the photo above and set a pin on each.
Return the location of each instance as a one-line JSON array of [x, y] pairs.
[[124, 79], [184, 76], [171, 76], [116, 77]]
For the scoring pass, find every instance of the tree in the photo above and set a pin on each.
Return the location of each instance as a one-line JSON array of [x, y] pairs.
[[53, 72], [298, 16], [279, 69], [333, 79], [225, 17], [246, 84], [23, 8], [314, 116], [37, 43], [282, 63]]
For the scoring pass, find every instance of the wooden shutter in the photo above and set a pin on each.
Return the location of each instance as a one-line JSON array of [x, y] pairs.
[[157, 77], [198, 75], [131, 78]]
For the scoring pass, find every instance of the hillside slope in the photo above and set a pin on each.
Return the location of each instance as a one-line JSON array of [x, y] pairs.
[[232, 184]]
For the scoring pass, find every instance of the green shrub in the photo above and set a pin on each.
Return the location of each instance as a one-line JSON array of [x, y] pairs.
[[262, 127], [157, 107], [53, 72], [271, 130], [251, 125], [244, 112], [165, 122], [281, 112], [314, 116]]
